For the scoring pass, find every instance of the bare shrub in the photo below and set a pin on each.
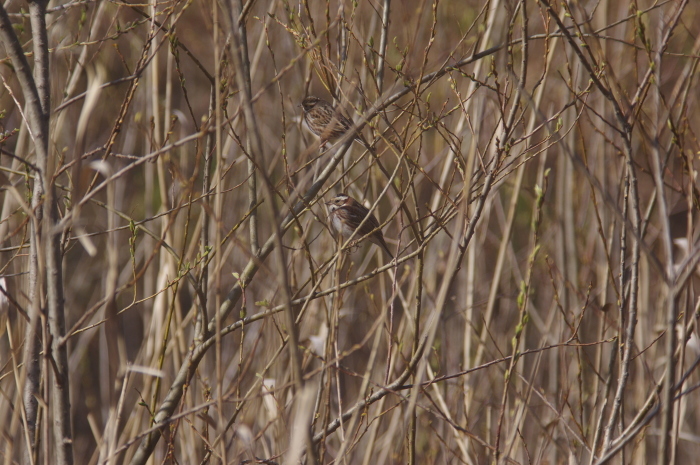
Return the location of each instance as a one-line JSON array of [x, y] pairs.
[[171, 289]]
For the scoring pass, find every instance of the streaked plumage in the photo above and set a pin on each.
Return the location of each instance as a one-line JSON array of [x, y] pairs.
[[345, 216], [328, 123]]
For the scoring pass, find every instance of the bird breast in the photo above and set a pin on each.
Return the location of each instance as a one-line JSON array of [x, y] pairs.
[[338, 225]]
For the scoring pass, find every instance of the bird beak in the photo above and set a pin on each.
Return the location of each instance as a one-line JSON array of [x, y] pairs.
[[328, 203]]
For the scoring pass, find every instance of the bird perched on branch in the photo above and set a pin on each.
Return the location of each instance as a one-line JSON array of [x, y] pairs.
[[325, 121], [346, 214]]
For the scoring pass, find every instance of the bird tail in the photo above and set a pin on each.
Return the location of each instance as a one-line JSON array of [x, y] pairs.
[[386, 249]]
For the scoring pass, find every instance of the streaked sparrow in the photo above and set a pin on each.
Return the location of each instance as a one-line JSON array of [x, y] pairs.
[[345, 216], [328, 123]]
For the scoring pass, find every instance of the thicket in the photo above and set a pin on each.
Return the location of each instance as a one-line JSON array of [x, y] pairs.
[[170, 291]]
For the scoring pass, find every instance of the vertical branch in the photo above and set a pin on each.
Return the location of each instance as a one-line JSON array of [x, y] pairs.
[[252, 175], [523, 299], [36, 90], [218, 208], [201, 331], [633, 285], [51, 242], [382, 45], [39, 131], [608, 386], [37, 11], [667, 449], [33, 332], [116, 349], [413, 425]]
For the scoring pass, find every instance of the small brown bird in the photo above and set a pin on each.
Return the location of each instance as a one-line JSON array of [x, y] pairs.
[[346, 214], [328, 123]]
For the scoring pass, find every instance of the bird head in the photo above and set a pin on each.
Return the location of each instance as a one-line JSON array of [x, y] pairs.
[[309, 102], [339, 201]]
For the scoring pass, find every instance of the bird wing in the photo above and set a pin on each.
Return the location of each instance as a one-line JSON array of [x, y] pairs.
[[357, 214]]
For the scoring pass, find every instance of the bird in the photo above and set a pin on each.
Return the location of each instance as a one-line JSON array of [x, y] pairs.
[[345, 216], [325, 121]]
